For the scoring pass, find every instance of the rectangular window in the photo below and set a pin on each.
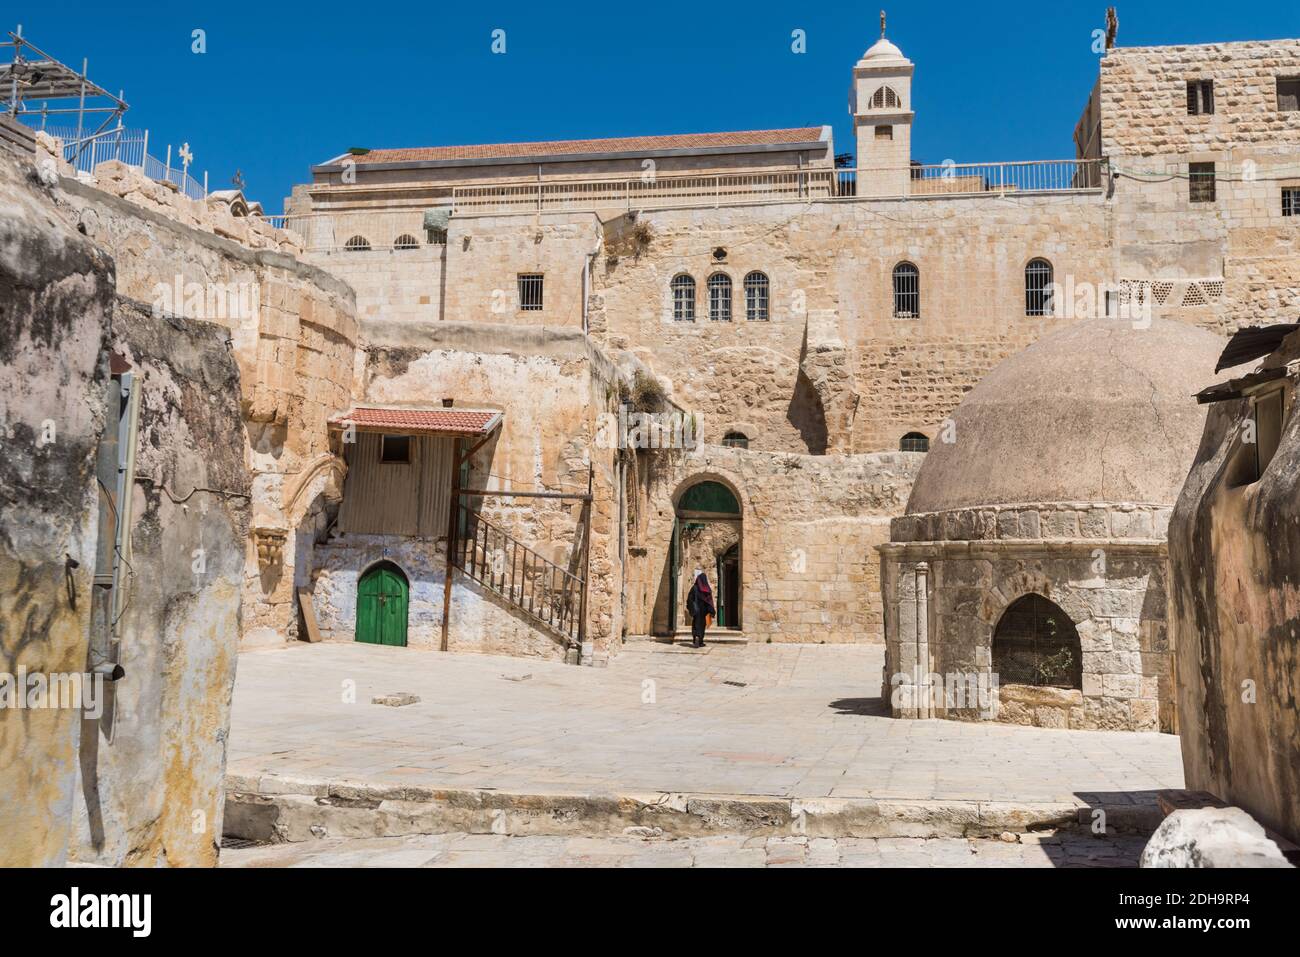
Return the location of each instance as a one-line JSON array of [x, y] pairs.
[[1200, 182], [1288, 93], [1291, 202], [395, 449], [884, 132], [1200, 97], [530, 291]]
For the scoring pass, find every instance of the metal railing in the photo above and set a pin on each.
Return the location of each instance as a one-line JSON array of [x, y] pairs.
[[126, 146], [535, 585], [726, 189]]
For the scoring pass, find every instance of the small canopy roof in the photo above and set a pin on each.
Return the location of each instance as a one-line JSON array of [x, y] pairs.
[[408, 421]]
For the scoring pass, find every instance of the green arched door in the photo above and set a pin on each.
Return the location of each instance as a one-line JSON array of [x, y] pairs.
[[381, 606]]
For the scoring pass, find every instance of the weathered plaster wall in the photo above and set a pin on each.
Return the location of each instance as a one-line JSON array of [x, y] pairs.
[[293, 332], [56, 293], [552, 385], [1234, 551], [152, 766]]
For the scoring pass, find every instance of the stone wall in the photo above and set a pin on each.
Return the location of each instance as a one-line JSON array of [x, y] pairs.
[[1222, 264], [830, 268], [1103, 565], [553, 384], [135, 777], [152, 766], [809, 527], [56, 299], [293, 332], [1234, 549]]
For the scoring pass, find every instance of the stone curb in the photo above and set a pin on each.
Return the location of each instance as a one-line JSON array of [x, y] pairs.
[[279, 809]]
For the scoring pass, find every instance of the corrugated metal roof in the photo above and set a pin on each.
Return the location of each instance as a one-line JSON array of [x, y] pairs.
[[418, 421], [1252, 343], [620, 144]]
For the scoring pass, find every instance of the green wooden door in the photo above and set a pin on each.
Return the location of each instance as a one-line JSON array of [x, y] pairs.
[[381, 606]]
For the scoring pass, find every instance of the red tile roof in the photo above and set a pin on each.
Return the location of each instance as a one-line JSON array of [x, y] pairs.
[[620, 144], [419, 421]]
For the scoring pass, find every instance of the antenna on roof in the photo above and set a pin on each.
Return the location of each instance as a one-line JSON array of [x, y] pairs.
[[1112, 27]]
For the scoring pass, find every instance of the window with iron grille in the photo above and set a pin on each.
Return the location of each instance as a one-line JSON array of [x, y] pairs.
[[1036, 643], [406, 241], [1200, 97], [1038, 288], [1200, 182], [756, 297], [907, 291], [1288, 93], [736, 440], [720, 297], [530, 291], [1291, 202], [683, 287], [357, 244], [885, 99], [435, 236], [914, 442]]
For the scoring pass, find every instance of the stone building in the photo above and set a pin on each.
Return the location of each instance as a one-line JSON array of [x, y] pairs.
[[821, 322], [1234, 556], [1027, 580]]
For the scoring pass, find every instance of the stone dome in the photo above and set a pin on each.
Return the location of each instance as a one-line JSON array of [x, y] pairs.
[[882, 49], [1098, 411]]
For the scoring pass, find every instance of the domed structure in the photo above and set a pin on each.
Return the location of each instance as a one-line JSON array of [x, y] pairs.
[[1030, 568], [1094, 412], [883, 49]]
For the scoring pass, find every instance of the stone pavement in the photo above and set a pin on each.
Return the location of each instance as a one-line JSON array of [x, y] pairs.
[[802, 721], [495, 850]]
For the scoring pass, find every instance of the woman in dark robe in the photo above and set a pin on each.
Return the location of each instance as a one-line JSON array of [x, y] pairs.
[[699, 605]]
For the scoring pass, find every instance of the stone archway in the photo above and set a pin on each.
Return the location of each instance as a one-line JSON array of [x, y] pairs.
[[708, 536]]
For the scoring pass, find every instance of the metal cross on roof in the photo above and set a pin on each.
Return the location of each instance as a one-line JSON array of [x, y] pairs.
[[185, 154], [882, 24]]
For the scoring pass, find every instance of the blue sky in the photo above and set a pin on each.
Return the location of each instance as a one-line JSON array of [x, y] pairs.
[[286, 85]]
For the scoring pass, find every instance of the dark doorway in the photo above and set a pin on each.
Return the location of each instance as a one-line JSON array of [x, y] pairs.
[[728, 578]]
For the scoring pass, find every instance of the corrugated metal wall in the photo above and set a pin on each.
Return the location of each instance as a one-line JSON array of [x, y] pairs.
[[389, 498]]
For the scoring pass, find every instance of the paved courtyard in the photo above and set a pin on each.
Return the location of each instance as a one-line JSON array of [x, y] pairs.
[[493, 850], [799, 721]]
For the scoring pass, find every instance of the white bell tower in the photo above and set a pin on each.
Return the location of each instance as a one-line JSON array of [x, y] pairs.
[[881, 104]]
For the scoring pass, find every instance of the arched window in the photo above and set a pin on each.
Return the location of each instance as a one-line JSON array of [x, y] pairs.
[[914, 442], [1038, 288], [406, 241], [756, 297], [683, 287], [357, 244], [1036, 643], [907, 291], [885, 99], [720, 297], [736, 440]]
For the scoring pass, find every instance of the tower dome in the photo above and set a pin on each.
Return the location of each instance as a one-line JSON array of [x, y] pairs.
[[883, 49]]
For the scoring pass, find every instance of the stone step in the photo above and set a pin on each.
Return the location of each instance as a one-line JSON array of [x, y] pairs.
[[716, 636], [273, 808]]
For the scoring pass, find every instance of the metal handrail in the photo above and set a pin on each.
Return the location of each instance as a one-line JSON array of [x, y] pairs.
[[510, 569]]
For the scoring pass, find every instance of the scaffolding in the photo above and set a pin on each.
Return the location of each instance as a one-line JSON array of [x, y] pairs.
[[33, 75]]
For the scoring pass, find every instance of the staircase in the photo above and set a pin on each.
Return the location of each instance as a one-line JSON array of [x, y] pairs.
[[545, 593]]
